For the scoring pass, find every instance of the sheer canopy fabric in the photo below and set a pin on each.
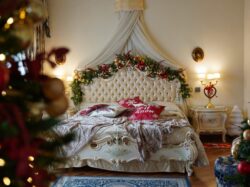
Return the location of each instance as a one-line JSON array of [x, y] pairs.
[[130, 35]]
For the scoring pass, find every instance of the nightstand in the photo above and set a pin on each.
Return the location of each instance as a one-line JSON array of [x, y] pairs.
[[209, 120]]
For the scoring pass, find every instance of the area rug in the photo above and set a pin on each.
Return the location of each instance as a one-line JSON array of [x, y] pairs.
[[106, 181], [217, 145]]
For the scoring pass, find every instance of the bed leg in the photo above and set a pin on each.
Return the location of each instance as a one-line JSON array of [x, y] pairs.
[[189, 169]]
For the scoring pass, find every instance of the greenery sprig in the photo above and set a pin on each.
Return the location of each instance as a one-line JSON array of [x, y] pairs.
[[143, 63]]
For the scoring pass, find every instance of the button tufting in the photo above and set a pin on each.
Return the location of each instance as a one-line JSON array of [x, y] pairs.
[[128, 84]]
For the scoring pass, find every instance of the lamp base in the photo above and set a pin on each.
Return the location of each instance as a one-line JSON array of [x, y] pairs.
[[210, 105]]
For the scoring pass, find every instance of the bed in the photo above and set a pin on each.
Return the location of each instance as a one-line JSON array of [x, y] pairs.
[[168, 144]]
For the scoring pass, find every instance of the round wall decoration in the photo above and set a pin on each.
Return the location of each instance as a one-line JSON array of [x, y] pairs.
[[198, 54]]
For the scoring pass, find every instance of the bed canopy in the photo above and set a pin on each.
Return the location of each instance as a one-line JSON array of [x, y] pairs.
[[130, 35]]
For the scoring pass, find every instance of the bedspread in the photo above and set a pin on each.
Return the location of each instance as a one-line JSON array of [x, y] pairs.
[[148, 134], [84, 128]]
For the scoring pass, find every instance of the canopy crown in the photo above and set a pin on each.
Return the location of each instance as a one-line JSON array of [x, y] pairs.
[[129, 5]]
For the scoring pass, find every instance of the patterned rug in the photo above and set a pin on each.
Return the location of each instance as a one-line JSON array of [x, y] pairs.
[[103, 181], [217, 145]]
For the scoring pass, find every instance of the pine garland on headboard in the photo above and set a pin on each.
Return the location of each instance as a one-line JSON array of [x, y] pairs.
[[143, 63]]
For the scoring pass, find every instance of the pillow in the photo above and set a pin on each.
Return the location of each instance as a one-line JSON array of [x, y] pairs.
[[88, 110], [147, 112], [130, 102], [108, 111], [171, 109]]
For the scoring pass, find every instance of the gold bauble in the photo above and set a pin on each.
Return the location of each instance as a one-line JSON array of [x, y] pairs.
[[35, 110], [53, 88], [24, 32], [57, 107], [37, 11], [246, 134], [235, 147]]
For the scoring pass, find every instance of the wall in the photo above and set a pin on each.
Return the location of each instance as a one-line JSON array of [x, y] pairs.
[[177, 26], [247, 57]]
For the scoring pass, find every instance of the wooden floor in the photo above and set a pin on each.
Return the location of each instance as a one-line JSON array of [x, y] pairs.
[[202, 177]]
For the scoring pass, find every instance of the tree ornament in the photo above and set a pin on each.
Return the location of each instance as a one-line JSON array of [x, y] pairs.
[[4, 76], [23, 31], [36, 110], [246, 134], [36, 11], [243, 167], [57, 107], [235, 147], [53, 88]]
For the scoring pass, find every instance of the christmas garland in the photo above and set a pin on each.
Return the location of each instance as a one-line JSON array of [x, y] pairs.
[[143, 63]]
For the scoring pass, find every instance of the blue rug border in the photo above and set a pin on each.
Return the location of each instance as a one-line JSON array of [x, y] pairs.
[[54, 182], [188, 181]]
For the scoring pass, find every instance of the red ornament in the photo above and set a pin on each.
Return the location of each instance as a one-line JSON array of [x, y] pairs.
[[4, 76], [104, 68], [141, 66], [244, 167], [163, 75]]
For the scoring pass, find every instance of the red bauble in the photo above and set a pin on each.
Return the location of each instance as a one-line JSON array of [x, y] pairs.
[[4, 76], [244, 167]]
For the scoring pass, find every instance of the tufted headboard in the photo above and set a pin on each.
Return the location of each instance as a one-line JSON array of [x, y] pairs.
[[130, 83]]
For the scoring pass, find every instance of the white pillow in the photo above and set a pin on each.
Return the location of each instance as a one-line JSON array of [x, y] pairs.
[[168, 105], [110, 111], [171, 109]]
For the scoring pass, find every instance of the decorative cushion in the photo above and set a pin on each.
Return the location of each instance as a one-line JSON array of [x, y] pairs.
[[108, 111], [88, 110], [130, 102], [147, 112]]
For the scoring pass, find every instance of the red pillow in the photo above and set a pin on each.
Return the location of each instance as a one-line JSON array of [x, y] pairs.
[[130, 102], [147, 112], [90, 109]]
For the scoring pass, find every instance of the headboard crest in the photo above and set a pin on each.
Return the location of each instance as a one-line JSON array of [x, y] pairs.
[[129, 76]]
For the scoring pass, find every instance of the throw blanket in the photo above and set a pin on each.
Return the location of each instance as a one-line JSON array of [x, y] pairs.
[[148, 134]]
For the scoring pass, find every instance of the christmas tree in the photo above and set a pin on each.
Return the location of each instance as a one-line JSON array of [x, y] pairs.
[[26, 94], [241, 153]]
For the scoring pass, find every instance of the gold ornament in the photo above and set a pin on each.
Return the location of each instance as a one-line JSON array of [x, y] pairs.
[[235, 147], [246, 134], [36, 11], [24, 32], [36, 110], [53, 88], [57, 107]]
